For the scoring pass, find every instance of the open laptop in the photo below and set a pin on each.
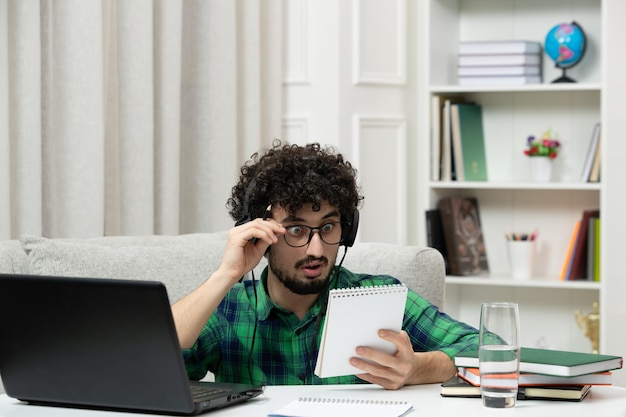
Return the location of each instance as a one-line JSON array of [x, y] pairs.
[[99, 343]]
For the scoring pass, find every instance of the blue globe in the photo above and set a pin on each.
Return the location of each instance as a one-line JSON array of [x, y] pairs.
[[565, 44]]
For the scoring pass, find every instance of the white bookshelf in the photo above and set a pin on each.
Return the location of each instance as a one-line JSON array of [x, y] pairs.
[[510, 201]]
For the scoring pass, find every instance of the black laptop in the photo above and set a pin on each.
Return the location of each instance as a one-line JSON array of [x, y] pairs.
[[99, 343]]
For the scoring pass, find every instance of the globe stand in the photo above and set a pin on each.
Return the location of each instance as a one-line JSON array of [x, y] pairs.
[[563, 78]]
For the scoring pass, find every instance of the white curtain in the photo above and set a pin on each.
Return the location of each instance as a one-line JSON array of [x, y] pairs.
[[133, 117]]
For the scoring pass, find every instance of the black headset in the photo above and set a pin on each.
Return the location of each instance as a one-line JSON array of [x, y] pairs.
[[348, 230]]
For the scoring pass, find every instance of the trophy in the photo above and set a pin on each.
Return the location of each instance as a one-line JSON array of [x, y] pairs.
[[590, 325]]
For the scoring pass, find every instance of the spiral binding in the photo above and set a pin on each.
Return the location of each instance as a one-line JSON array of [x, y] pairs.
[[350, 401], [360, 291]]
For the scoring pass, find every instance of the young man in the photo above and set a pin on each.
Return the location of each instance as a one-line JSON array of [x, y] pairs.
[[297, 206]]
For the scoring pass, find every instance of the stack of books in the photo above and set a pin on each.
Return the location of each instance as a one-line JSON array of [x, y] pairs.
[[544, 374], [499, 62], [458, 140]]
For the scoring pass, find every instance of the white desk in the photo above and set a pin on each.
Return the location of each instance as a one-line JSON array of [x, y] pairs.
[[601, 401]]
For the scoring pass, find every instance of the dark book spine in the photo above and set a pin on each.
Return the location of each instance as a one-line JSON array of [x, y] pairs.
[[449, 233], [434, 234]]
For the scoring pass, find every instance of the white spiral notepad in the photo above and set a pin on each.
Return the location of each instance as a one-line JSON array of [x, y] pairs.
[[327, 407], [353, 318]]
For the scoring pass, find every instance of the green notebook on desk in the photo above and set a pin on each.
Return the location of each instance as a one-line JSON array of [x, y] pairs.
[[553, 362]]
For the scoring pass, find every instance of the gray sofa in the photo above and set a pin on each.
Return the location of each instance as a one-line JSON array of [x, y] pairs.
[[183, 262]]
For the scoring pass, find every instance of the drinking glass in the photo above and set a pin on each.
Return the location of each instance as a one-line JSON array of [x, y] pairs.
[[498, 354]]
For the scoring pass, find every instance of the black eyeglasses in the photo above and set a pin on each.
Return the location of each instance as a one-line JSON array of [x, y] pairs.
[[299, 235]]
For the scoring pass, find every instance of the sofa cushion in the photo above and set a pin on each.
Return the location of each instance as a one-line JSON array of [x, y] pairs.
[[12, 258], [180, 262]]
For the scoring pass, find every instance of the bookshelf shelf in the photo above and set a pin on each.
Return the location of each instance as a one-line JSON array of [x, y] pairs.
[[510, 185], [529, 88], [543, 283]]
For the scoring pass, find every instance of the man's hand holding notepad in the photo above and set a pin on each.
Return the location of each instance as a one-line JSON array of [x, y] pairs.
[[353, 318]]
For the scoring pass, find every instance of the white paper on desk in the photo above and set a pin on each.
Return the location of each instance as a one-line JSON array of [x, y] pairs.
[[329, 407], [353, 318]]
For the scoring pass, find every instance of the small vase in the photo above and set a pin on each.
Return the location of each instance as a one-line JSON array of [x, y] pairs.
[[541, 168]]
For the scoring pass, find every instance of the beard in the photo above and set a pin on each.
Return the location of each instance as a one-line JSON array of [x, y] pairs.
[[296, 285]]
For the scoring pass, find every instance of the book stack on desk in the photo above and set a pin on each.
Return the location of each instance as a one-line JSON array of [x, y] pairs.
[[459, 387], [544, 374], [499, 62]]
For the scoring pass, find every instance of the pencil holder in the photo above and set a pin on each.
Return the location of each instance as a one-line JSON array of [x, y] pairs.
[[521, 258]]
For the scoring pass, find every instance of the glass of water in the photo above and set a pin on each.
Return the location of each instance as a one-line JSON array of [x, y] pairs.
[[498, 354]]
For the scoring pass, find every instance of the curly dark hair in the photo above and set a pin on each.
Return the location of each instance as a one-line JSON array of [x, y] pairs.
[[292, 176]]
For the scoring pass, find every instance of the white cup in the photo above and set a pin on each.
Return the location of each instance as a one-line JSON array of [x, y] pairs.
[[521, 258]]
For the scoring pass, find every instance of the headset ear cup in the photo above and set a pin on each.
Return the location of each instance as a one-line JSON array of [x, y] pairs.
[[348, 235]]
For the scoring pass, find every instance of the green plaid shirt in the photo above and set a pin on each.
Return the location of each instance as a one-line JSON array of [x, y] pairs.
[[278, 352]]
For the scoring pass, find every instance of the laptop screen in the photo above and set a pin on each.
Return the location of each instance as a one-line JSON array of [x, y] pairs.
[[92, 342]]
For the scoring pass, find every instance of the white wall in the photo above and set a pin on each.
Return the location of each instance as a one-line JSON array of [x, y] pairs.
[[348, 83]]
